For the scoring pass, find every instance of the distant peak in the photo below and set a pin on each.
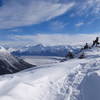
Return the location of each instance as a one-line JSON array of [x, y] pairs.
[[40, 45], [2, 49]]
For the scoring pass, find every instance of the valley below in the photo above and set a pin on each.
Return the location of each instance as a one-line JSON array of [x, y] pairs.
[[41, 60]]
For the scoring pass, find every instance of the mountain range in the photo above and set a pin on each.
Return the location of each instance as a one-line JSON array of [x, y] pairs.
[[40, 50]]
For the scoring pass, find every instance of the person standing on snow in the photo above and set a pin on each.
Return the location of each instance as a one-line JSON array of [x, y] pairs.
[[96, 42], [86, 46]]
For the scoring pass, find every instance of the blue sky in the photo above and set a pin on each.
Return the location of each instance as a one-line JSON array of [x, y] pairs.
[[24, 18]]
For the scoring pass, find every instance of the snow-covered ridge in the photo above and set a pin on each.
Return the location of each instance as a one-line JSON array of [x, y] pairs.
[[10, 63], [2, 49], [76, 79]]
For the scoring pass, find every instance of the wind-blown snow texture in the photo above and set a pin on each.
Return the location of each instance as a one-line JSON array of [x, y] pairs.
[[76, 79]]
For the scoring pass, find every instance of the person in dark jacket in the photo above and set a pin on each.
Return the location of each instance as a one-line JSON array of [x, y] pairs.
[[93, 44], [86, 46], [96, 42]]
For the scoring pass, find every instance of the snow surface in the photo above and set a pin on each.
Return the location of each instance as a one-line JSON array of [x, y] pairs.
[[76, 79]]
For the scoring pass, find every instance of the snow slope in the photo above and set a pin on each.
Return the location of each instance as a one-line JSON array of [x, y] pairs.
[[76, 79]]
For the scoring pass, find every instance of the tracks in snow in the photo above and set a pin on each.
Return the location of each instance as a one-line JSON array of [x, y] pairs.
[[64, 88], [74, 79]]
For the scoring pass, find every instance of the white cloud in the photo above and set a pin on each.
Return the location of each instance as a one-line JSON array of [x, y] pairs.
[[15, 13], [49, 39], [88, 7], [57, 25], [79, 24]]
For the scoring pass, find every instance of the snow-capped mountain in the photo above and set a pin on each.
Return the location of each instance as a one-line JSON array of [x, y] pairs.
[[75, 79], [46, 50], [10, 64]]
